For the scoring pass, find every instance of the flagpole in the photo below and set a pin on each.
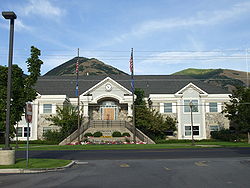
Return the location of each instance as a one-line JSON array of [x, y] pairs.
[[133, 94], [78, 98]]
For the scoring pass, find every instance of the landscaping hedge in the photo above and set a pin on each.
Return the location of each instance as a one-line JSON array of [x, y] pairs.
[[126, 134], [117, 134], [228, 135], [88, 134], [97, 134]]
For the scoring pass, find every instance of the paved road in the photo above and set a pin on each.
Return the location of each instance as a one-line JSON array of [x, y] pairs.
[[156, 173], [140, 154]]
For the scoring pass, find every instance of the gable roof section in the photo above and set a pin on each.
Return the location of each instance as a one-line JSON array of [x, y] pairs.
[[151, 84], [194, 87], [110, 80]]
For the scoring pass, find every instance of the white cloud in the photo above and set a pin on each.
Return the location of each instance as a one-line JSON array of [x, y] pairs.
[[169, 62], [201, 18], [42, 8], [18, 26], [177, 57]]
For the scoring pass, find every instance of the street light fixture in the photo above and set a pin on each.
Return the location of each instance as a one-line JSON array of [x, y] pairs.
[[9, 15], [191, 105]]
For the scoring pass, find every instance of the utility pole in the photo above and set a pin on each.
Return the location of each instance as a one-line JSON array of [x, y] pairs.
[[10, 16]]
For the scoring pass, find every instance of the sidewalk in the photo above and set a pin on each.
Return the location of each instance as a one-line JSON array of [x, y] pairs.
[[30, 171]]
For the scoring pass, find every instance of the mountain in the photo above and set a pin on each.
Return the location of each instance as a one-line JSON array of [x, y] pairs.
[[86, 66], [226, 78]]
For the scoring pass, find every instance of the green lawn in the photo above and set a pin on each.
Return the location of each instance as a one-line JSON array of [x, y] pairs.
[[199, 144], [133, 146], [37, 163]]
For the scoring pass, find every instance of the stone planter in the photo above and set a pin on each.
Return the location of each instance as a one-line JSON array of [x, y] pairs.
[[7, 157]]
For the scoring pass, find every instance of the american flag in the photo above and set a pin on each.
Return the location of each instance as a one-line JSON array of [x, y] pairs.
[[131, 62], [77, 66], [77, 72]]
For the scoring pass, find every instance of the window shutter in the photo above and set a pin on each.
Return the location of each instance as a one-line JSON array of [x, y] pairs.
[[161, 107], [174, 107], [219, 106], [207, 107], [53, 109]]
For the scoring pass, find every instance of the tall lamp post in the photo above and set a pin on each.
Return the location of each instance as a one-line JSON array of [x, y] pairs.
[[9, 16], [191, 105]]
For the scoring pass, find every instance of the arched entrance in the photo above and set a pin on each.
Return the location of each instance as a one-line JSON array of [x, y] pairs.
[[109, 109]]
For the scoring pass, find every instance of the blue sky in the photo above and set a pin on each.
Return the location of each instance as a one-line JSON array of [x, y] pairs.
[[167, 35]]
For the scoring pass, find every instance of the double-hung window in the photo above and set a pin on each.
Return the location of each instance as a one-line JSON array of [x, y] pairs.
[[188, 130], [167, 107], [194, 106], [19, 132], [213, 107], [214, 128], [26, 131], [47, 108]]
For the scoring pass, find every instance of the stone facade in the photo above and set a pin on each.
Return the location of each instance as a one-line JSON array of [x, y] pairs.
[[44, 123], [216, 119]]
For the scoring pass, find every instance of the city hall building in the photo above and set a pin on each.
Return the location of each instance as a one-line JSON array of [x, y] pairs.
[[107, 101]]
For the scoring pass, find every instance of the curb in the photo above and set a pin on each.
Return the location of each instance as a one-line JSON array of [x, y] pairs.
[[34, 170]]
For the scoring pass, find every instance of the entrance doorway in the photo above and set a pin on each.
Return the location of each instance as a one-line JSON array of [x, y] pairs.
[[109, 110], [109, 114]]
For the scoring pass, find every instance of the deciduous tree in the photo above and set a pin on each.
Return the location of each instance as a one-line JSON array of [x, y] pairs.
[[238, 109], [66, 119], [150, 121], [22, 89]]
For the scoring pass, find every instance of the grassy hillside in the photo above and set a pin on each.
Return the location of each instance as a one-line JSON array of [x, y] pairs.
[[193, 72], [228, 79], [86, 66]]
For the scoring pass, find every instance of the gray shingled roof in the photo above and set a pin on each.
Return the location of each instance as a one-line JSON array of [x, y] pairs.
[[151, 84]]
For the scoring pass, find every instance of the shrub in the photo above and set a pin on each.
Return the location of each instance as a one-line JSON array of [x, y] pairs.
[[88, 134], [126, 134], [53, 136], [97, 134], [46, 142], [116, 134], [173, 141], [228, 135]]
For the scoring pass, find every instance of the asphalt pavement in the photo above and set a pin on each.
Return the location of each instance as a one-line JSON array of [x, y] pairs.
[[139, 154], [149, 173]]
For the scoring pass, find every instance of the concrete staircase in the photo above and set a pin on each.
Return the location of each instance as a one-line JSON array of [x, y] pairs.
[[107, 127]]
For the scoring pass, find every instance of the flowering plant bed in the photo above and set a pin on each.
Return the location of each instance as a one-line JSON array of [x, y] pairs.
[[111, 143]]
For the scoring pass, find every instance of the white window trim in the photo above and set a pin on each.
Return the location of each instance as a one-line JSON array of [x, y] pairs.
[[174, 107], [219, 106], [195, 136], [23, 127]]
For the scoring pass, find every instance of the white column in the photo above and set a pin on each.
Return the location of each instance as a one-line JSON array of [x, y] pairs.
[[85, 110], [130, 110], [203, 115], [179, 128], [35, 119]]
